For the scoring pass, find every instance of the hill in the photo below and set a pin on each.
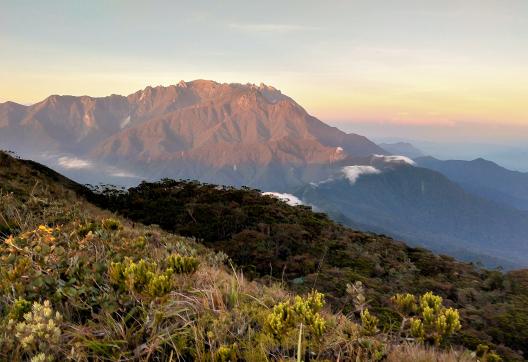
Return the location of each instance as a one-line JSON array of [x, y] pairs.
[[484, 178], [271, 239], [78, 283], [427, 209]]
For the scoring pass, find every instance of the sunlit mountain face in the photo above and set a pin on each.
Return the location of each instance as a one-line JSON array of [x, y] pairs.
[[226, 133]]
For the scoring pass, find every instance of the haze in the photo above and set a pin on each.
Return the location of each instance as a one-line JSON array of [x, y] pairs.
[[421, 64]]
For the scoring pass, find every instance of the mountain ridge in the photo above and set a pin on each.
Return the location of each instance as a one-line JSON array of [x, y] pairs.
[[162, 129], [425, 207], [484, 178]]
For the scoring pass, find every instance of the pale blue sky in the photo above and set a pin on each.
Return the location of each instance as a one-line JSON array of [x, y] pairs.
[[406, 61]]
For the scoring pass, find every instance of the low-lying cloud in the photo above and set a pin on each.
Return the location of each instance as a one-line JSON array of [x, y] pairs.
[[396, 159], [287, 198], [73, 163], [352, 173]]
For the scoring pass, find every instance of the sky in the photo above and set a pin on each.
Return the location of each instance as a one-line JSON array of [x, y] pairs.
[[379, 66]]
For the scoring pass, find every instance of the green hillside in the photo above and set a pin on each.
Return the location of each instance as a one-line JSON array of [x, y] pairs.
[[79, 283], [307, 250]]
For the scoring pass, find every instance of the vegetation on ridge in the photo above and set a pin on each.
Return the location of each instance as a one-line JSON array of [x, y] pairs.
[[78, 283], [270, 239]]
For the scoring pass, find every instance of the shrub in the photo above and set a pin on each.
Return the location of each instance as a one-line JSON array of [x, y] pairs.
[[356, 292], [38, 335], [159, 285], [142, 277], [405, 304], [84, 230], [18, 309], [226, 354], [182, 264], [430, 321], [369, 323], [286, 316], [111, 224]]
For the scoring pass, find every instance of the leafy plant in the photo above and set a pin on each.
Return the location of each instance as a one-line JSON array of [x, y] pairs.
[[430, 320], [39, 333], [182, 264], [288, 316], [369, 323]]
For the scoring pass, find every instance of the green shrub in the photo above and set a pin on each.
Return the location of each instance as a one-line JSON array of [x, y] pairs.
[[226, 354], [287, 316], [111, 224], [159, 285], [369, 323], [142, 277], [182, 264], [429, 320], [86, 229], [18, 309]]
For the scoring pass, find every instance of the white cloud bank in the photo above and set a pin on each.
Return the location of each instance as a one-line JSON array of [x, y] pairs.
[[74, 163], [396, 159], [287, 198], [352, 173]]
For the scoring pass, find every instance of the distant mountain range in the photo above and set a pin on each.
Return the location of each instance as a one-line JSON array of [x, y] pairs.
[[425, 208], [225, 133], [402, 148], [249, 135], [484, 178]]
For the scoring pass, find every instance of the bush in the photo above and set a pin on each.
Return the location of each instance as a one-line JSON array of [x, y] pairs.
[[38, 335], [111, 224], [429, 320], [369, 323], [287, 316], [182, 264]]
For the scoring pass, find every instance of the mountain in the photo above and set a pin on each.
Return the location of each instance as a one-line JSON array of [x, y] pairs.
[[402, 148], [484, 178], [227, 133], [425, 208]]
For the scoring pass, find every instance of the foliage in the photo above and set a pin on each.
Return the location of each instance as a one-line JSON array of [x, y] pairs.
[[121, 298], [182, 264], [369, 323], [287, 316], [111, 224], [267, 237], [38, 334], [429, 320]]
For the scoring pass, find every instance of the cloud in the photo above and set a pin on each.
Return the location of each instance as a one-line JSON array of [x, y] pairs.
[[287, 198], [74, 163], [352, 173], [269, 28], [396, 159], [121, 173]]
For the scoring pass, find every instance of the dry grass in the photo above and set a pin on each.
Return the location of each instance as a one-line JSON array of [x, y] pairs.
[[416, 353]]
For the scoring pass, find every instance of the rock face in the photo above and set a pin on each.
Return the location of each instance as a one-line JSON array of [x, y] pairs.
[[226, 133]]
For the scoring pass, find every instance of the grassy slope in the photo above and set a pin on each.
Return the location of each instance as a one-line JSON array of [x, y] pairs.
[[308, 250], [206, 315]]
